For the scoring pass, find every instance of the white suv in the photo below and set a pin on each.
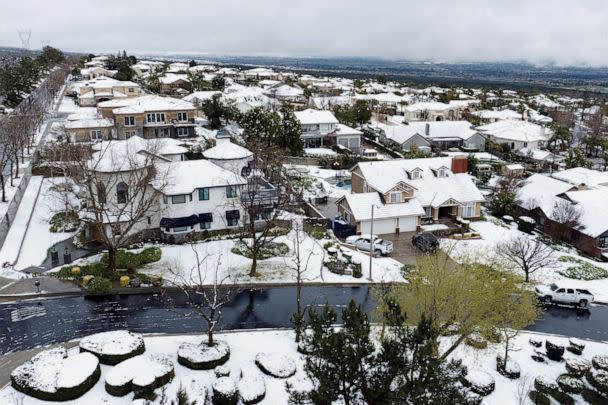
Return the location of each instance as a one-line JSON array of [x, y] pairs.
[[558, 294]]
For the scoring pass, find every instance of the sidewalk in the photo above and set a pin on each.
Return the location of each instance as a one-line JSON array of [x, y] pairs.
[[14, 289]]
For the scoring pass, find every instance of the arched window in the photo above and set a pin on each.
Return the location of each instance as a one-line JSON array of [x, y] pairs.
[[122, 193], [101, 193]]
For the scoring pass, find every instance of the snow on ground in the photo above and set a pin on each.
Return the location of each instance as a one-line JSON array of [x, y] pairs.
[[68, 105], [319, 152], [325, 180], [245, 345], [38, 237], [495, 231], [273, 270], [12, 245]]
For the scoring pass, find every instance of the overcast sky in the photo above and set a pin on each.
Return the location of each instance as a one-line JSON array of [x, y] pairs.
[[539, 31]]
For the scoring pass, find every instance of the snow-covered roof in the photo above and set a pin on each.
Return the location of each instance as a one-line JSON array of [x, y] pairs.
[[226, 150], [201, 95], [288, 91], [430, 189], [89, 123], [581, 175], [186, 176], [428, 106], [342, 129], [330, 101], [541, 191], [310, 117], [498, 114], [519, 131], [150, 102], [361, 207], [172, 78], [590, 204]]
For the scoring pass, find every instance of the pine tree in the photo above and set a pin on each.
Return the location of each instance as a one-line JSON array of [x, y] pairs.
[[291, 132]]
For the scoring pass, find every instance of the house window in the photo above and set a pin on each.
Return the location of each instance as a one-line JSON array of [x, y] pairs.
[[232, 217], [122, 193], [180, 229], [96, 135], [346, 216], [158, 118], [203, 194], [182, 131], [395, 197], [149, 220], [131, 90], [441, 172], [231, 191], [182, 116], [525, 144], [603, 242], [468, 211], [178, 199], [129, 134], [205, 225], [129, 121], [416, 174]]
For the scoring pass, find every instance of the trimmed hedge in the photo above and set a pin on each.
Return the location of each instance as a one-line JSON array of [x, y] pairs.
[[570, 384], [555, 352], [513, 372], [111, 359], [203, 357], [594, 397], [144, 363], [599, 380], [577, 367], [99, 285], [225, 392], [472, 381], [539, 398], [545, 385], [600, 361], [132, 261]]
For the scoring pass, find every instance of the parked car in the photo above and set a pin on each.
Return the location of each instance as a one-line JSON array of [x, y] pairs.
[[568, 295], [363, 242], [425, 242]]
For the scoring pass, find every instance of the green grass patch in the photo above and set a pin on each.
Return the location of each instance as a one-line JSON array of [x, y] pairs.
[[581, 269], [271, 249], [64, 222]]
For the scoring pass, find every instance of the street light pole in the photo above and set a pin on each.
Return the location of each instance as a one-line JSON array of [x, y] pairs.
[[371, 244]]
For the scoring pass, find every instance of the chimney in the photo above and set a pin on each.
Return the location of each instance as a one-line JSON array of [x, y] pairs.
[[460, 164], [427, 129]]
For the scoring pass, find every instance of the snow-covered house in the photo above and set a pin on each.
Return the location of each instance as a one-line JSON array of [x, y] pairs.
[[320, 128], [517, 134], [150, 116], [91, 92], [247, 98], [431, 111], [93, 129], [441, 135], [229, 155], [96, 71], [286, 93], [489, 116], [261, 74], [329, 102], [568, 210], [171, 83], [406, 192]]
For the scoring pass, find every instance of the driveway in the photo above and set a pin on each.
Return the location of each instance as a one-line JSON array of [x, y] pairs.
[[403, 251]]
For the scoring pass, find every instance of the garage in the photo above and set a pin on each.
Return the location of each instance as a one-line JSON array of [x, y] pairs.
[[389, 225]]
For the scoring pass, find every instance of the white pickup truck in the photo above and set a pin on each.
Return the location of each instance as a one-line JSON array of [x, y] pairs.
[[558, 294], [363, 242]]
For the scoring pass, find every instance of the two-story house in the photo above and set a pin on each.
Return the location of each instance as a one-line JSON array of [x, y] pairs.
[[517, 134], [91, 92], [150, 116], [320, 128], [92, 129], [405, 193]]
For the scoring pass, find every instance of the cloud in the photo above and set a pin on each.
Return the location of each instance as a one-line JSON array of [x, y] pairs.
[[539, 31]]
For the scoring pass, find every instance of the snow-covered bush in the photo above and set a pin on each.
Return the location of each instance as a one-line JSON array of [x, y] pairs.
[[113, 347], [577, 367], [545, 385], [536, 342], [53, 376], [271, 249], [203, 357], [141, 374], [222, 371], [479, 382], [593, 397], [225, 391], [510, 370], [252, 388], [598, 379], [275, 364], [554, 351], [600, 361], [477, 341], [570, 384], [582, 269]]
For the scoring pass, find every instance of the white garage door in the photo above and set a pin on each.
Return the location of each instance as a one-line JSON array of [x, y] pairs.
[[385, 226]]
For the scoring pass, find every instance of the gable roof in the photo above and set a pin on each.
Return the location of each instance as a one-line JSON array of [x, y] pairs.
[[310, 116], [142, 104], [361, 207], [519, 131]]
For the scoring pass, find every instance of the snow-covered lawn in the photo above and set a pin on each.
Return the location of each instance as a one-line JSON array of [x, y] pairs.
[[273, 270], [494, 231], [246, 345]]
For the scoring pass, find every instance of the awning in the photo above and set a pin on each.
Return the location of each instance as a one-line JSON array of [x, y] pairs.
[[206, 217], [179, 222], [234, 214]]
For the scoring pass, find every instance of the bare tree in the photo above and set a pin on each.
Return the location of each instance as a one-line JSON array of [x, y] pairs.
[[299, 263], [527, 254], [263, 198], [566, 216], [120, 187], [205, 289]]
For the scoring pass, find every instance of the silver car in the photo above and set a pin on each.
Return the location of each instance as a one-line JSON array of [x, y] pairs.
[[363, 242]]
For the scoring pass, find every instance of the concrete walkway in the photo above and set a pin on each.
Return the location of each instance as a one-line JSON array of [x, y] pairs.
[[15, 289]]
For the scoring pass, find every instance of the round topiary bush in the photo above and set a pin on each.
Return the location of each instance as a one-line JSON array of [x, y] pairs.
[[224, 392], [222, 371], [252, 388], [570, 384], [577, 367], [545, 385], [562, 398], [275, 364], [577, 345], [113, 347], [510, 370], [600, 361], [598, 379], [141, 374], [555, 352], [479, 382], [99, 285], [594, 397], [539, 398], [203, 357], [535, 342], [53, 376]]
